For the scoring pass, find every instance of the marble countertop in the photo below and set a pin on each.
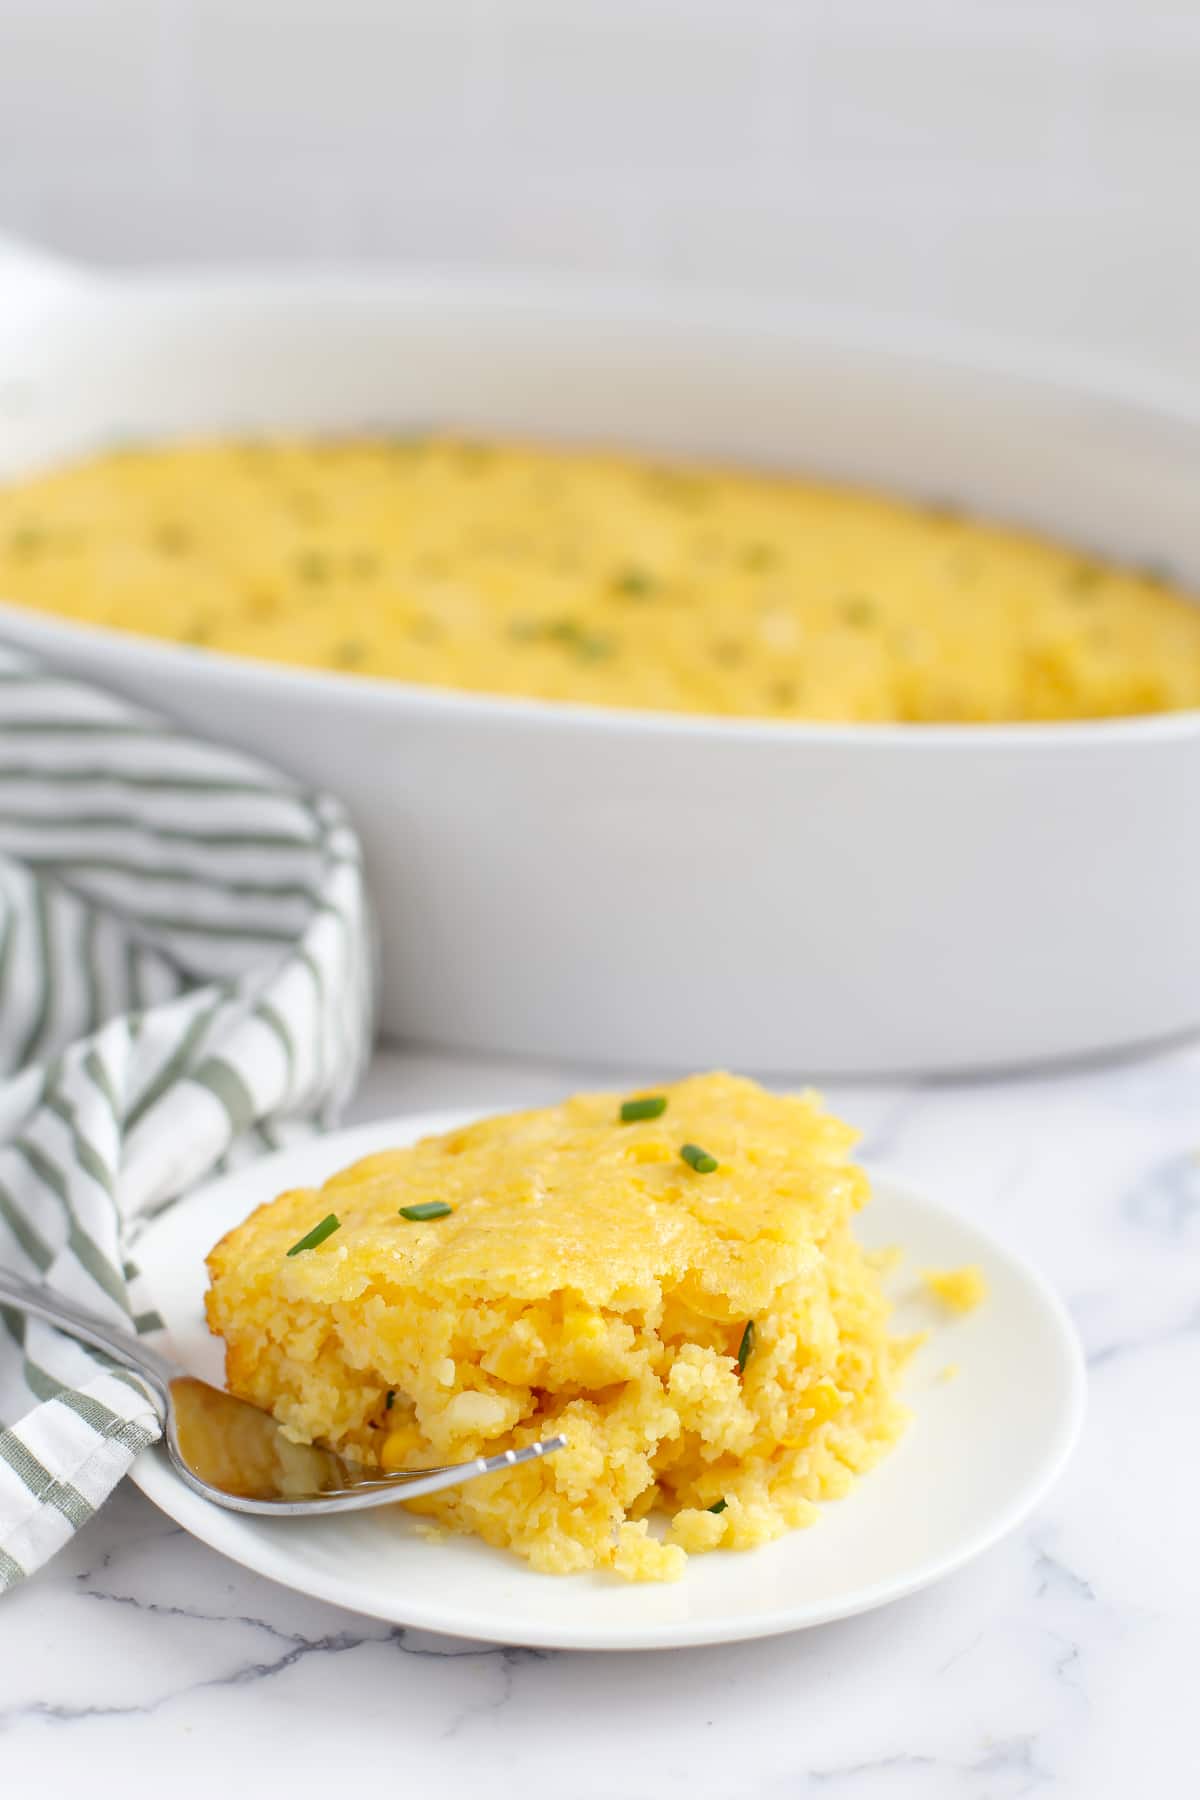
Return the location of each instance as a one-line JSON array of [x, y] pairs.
[[1062, 1663]]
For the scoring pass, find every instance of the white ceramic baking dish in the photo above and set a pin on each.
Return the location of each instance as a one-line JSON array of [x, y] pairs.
[[631, 888]]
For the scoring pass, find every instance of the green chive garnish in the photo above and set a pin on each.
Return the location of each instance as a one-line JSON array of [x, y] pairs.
[[651, 1106], [589, 646], [391, 1395], [562, 631], [317, 1235], [699, 1159], [746, 1347], [719, 1507], [634, 582], [592, 648], [428, 1209], [571, 635], [312, 566]]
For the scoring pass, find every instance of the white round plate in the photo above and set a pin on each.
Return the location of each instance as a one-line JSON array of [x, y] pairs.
[[982, 1450]]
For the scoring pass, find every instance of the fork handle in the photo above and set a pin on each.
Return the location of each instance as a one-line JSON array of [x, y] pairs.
[[43, 1303]]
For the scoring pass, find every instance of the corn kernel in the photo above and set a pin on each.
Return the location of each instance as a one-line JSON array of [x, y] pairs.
[[398, 1446], [652, 1150], [582, 1326], [824, 1400]]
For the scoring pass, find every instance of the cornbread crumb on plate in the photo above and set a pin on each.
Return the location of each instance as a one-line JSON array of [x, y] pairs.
[[670, 1280], [962, 1290]]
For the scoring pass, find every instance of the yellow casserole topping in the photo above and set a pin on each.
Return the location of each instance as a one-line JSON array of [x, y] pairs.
[[712, 1341], [595, 577]]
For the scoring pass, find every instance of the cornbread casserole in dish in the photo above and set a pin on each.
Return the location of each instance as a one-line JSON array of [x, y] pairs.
[[672, 1281], [602, 579], [934, 880]]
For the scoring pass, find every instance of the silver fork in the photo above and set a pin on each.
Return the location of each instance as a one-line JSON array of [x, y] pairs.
[[236, 1454]]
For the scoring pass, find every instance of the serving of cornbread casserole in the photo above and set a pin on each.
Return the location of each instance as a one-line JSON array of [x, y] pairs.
[[670, 1279], [595, 577]]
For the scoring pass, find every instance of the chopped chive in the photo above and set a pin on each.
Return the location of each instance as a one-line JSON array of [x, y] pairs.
[[651, 1106], [571, 635], [428, 1209], [388, 1403], [718, 1508], [636, 583], [317, 1235], [312, 566], [698, 1159], [746, 1347], [593, 648]]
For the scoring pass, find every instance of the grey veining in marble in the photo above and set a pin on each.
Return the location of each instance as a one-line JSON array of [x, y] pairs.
[[1063, 1664]]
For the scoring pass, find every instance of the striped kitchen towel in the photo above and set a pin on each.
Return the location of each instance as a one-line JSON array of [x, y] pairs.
[[185, 980]]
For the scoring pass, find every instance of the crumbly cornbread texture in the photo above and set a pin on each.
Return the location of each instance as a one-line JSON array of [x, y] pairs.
[[595, 577], [588, 1280]]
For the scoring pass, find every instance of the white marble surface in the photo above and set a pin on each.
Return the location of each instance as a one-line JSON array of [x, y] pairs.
[[1063, 1663]]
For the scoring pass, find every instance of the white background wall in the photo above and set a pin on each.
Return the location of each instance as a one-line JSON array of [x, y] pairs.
[[1031, 166]]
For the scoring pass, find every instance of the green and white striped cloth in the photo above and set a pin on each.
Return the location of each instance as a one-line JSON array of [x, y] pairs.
[[185, 980]]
